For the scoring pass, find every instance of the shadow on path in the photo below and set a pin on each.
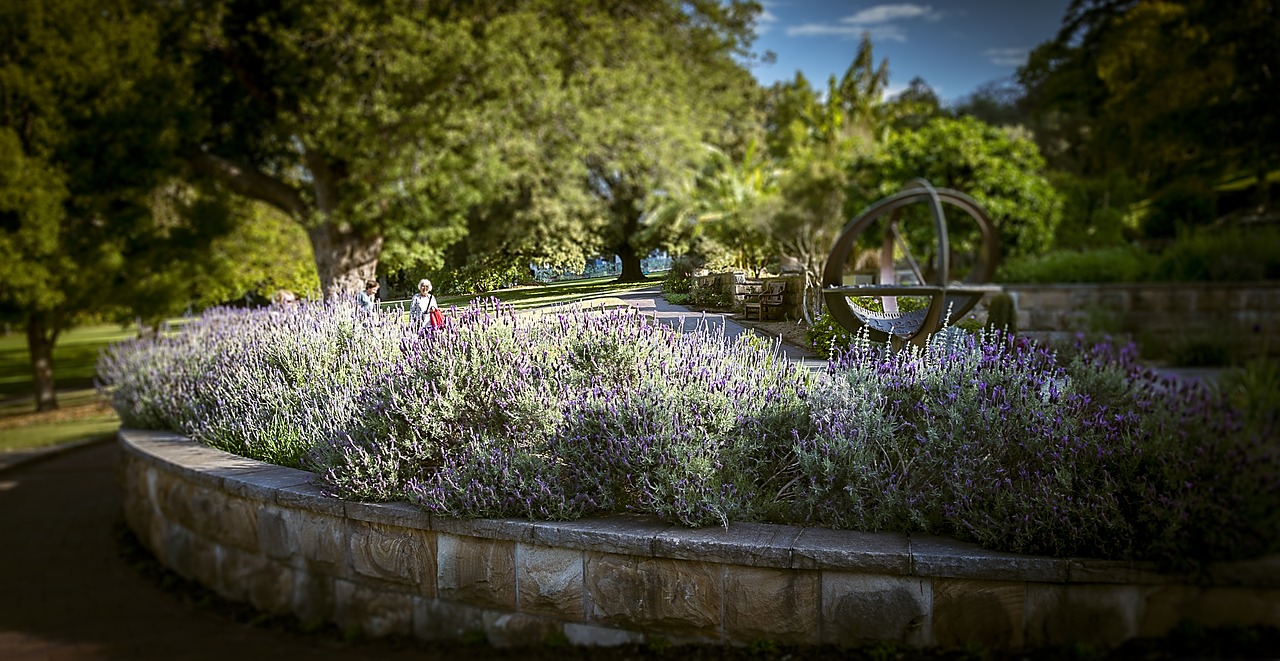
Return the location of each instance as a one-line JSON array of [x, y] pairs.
[[69, 593]]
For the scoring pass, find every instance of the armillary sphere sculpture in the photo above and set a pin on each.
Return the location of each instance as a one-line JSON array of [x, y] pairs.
[[951, 300]]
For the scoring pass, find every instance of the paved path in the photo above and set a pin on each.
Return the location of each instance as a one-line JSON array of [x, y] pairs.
[[650, 301], [66, 591]]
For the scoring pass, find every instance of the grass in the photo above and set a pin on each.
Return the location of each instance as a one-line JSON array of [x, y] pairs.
[[82, 414], [74, 359], [534, 296]]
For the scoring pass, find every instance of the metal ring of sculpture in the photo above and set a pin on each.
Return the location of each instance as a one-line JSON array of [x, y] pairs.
[[951, 300]]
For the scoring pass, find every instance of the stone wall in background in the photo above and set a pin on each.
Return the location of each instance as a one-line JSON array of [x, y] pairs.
[[268, 536], [1171, 321]]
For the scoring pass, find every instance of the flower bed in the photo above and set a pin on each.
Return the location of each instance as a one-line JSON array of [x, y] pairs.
[[583, 413]]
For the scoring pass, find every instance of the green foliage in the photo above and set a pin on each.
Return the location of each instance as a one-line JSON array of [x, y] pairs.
[[710, 297], [1209, 255], [90, 122], [1117, 264], [1234, 255], [1255, 390], [1002, 315], [1096, 210], [679, 279], [826, 337], [1186, 204], [1167, 91], [1004, 173]]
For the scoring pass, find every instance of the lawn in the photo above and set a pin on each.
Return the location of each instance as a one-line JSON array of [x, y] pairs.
[[533, 296], [82, 414]]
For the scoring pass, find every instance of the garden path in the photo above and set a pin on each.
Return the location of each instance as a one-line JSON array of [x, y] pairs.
[[649, 301]]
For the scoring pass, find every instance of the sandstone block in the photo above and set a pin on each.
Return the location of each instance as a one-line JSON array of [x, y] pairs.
[[1166, 607], [849, 550], [313, 597], [772, 604], [550, 581], [190, 555], [236, 524], [250, 577], [519, 629], [373, 612], [395, 555], [755, 544], [590, 635], [480, 572], [1102, 615], [277, 537], [932, 555], [322, 540], [674, 597], [862, 608], [434, 619], [988, 613]]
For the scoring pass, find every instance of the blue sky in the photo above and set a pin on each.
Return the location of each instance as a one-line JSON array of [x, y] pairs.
[[954, 45]]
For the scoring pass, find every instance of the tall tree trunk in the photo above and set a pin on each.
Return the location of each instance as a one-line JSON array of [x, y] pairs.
[[631, 271], [344, 259], [42, 334]]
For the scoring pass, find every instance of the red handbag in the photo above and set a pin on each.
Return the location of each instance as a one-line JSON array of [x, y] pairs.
[[436, 318]]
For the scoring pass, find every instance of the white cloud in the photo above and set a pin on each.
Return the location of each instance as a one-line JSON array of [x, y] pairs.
[[1007, 57], [877, 22], [886, 13], [877, 33], [766, 19]]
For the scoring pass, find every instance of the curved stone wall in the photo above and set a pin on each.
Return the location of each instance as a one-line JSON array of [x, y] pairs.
[[264, 534]]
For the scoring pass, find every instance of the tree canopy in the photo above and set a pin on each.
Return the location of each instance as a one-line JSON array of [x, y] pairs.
[[86, 134], [1169, 91], [529, 129]]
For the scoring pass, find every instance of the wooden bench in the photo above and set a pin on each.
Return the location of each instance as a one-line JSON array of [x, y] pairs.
[[769, 298]]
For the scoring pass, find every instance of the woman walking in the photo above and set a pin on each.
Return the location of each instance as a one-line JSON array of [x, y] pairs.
[[423, 309]]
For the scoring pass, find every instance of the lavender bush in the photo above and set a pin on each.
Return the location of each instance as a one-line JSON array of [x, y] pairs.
[[560, 415]]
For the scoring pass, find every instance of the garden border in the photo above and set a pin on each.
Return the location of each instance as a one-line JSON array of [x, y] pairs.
[[267, 535]]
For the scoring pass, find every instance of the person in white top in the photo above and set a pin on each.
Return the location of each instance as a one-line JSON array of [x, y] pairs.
[[422, 304]]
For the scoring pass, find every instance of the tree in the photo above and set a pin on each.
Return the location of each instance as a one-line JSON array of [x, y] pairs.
[[425, 122], [722, 209], [913, 106], [1173, 92], [822, 141], [1004, 172], [85, 136], [653, 111], [349, 118]]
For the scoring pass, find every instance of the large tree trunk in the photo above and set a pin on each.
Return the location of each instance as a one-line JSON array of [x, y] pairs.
[[42, 334], [631, 271], [344, 259]]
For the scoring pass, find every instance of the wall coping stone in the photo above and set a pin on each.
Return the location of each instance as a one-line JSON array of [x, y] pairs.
[[749, 544]]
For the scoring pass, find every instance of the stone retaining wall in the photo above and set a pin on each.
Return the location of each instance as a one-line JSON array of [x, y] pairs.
[[1240, 319], [264, 534]]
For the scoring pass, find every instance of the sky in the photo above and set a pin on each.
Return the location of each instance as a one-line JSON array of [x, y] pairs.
[[954, 45]]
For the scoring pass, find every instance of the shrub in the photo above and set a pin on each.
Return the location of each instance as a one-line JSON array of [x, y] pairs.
[[679, 279], [1002, 314], [554, 416], [1223, 256], [826, 337], [1117, 264]]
